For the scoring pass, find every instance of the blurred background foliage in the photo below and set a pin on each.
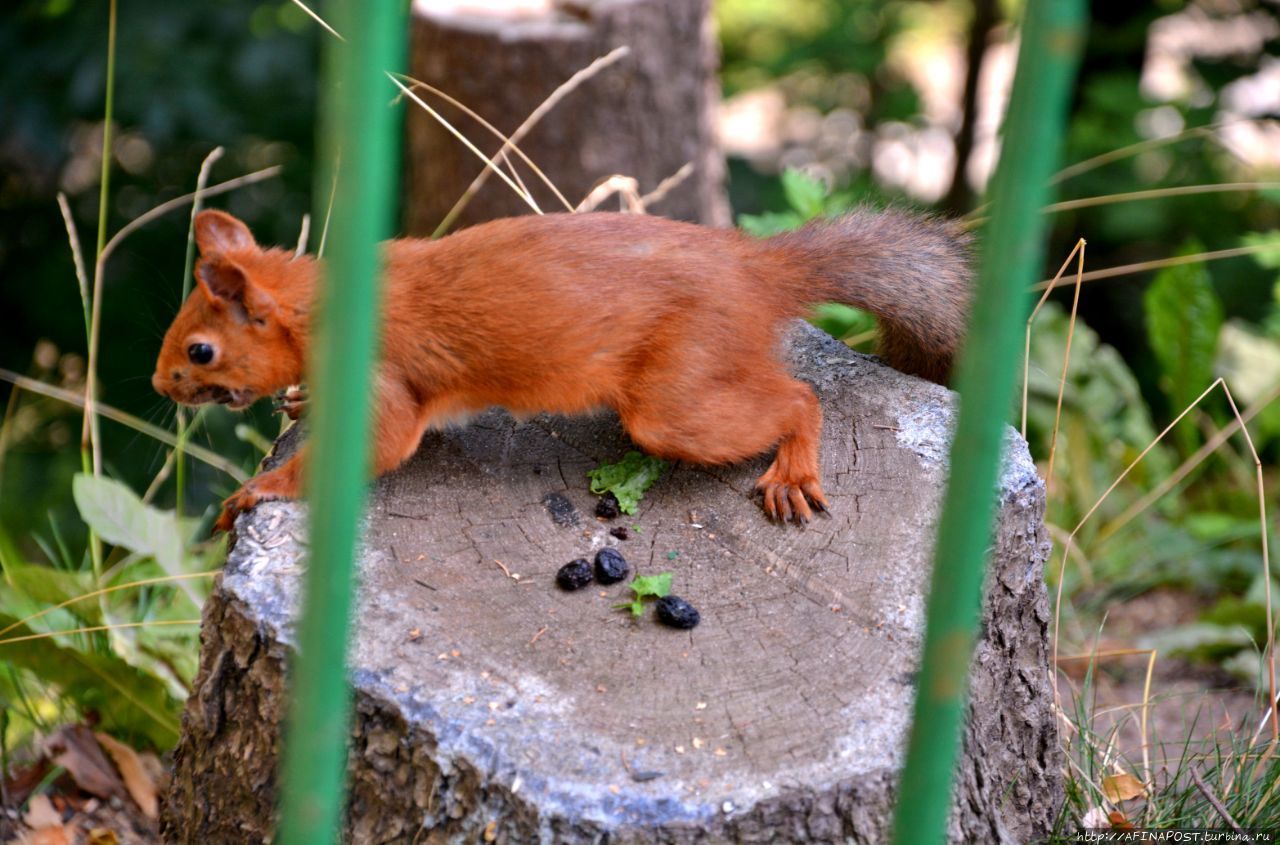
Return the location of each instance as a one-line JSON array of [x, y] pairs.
[[828, 103]]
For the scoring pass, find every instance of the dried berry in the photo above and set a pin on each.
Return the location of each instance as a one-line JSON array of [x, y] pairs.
[[574, 575], [620, 532], [676, 612], [611, 566], [607, 507]]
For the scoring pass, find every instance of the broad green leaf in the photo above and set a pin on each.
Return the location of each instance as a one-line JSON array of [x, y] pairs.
[[128, 702], [1198, 639], [769, 223], [841, 321], [1269, 255], [804, 194], [120, 517], [1184, 317], [628, 479], [45, 586]]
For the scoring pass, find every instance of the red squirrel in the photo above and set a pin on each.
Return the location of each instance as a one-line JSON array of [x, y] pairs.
[[674, 326]]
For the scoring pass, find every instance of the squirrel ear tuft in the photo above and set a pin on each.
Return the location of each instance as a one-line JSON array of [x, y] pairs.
[[221, 280], [217, 231]]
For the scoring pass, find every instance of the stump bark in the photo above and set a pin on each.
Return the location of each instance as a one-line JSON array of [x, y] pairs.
[[645, 116], [491, 707]]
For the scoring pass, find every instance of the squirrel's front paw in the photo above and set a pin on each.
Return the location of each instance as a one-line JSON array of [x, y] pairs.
[[237, 503], [291, 402], [243, 500]]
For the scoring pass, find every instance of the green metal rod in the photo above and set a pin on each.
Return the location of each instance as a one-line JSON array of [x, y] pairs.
[[357, 122], [1010, 257]]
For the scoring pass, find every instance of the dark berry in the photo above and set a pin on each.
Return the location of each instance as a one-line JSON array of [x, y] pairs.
[[574, 575], [676, 612], [607, 507], [619, 532], [611, 566]]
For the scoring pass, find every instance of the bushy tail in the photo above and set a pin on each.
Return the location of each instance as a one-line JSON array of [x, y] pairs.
[[911, 271]]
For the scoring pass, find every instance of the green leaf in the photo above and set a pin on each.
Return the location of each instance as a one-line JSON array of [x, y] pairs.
[[841, 321], [769, 223], [628, 479], [656, 586], [646, 586], [1269, 256], [130, 703], [804, 194], [45, 586], [1184, 317], [120, 517]]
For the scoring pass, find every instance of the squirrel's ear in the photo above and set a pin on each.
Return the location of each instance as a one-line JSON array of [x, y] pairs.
[[221, 280], [224, 283], [217, 231]]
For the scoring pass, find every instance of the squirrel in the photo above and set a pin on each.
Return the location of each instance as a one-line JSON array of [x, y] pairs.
[[673, 325]]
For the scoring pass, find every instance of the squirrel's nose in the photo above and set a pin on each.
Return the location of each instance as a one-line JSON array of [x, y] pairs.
[[158, 383]]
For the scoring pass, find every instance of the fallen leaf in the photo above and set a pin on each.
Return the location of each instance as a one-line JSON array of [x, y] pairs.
[[75, 749], [59, 835], [40, 813], [491, 831], [1122, 787], [136, 777], [102, 836], [1118, 821]]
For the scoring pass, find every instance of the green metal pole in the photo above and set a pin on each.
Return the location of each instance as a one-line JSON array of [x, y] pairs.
[[1010, 258], [357, 125]]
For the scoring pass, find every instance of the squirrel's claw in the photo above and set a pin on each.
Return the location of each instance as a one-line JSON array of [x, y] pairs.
[[792, 502], [244, 499], [291, 402]]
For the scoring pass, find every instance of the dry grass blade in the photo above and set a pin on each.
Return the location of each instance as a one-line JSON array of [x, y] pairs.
[[1160, 193], [1185, 468], [1266, 568], [1266, 557], [1026, 350], [304, 7], [1161, 263], [179, 202], [626, 187], [1134, 149], [93, 629], [304, 232], [145, 582], [1062, 379], [77, 255], [562, 91], [328, 210], [488, 162], [209, 457], [667, 185], [1213, 800], [197, 201], [508, 146]]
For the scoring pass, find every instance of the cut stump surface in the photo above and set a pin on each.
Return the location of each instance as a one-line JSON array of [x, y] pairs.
[[492, 706]]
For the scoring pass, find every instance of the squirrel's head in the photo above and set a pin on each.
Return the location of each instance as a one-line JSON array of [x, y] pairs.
[[234, 340]]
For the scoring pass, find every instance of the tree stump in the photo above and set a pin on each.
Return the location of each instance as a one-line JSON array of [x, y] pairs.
[[645, 116], [492, 706]]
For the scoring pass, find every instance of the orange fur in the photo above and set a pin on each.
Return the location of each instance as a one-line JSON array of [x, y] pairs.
[[672, 325]]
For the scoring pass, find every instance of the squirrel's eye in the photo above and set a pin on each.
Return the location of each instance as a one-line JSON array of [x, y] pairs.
[[200, 353]]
